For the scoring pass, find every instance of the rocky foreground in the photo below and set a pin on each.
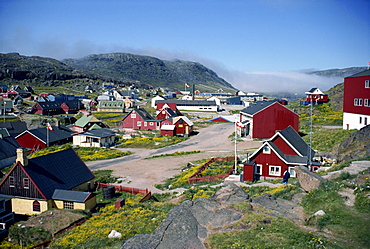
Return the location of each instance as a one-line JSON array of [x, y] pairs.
[[189, 224]]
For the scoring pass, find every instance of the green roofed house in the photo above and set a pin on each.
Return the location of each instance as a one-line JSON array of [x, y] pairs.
[[95, 138], [111, 106], [86, 123]]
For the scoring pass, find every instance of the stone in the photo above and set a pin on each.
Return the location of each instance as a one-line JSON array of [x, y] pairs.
[[114, 234], [319, 213], [307, 179]]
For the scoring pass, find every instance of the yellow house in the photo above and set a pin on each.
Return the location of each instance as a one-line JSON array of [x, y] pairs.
[[56, 180]]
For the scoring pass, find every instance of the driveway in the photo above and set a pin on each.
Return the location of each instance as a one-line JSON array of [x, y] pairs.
[[138, 172]]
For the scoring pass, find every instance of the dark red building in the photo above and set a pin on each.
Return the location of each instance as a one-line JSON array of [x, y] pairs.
[[356, 101], [285, 150], [264, 118], [140, 119]]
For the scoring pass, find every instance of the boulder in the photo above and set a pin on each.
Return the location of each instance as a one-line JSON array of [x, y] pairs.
[[308, 179], [114, 234]]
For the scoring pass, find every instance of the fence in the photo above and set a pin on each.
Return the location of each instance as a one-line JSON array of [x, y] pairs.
[[133, 191], [194, 177]]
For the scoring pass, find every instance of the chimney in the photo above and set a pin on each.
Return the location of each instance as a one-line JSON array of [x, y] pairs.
[[22, 156]]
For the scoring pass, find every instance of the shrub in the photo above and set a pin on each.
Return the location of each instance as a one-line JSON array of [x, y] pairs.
[[28, 235]]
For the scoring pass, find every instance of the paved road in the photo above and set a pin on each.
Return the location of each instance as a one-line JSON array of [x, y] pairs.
[[136, 172]]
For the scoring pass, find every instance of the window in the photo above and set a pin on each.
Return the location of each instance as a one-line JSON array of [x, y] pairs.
[[266, 149], [365, 121], [11, 181], [367, 83], [145, 123], [138, 123], [2, 205], [275, 170], [258, 169], [360, 120], [26, 183], [36, 206], [367, 102], [133, 115], [291, 171], [358, 102], [151, 123], [68, 205]]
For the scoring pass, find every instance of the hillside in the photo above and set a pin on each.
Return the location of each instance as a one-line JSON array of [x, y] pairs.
[[150, 71], [144, 71]]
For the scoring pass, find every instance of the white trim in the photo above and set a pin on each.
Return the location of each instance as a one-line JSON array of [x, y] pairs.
[[276, 171], [287, 141]]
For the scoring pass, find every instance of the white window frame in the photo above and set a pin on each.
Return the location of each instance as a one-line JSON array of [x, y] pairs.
[[68, 205], [138, 123], [367, 83], [274, 170], [258, 172], [266, 149], [358, 102], [133, 115], [26, 183], [367, 102], [291, 171], [151, 123], [145, 124]]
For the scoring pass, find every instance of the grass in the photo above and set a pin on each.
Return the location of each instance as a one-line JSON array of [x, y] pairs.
[[177, 153], [105, 176], [326, 139], [85, 153], [150, 142], [263, 231], [343, 221]]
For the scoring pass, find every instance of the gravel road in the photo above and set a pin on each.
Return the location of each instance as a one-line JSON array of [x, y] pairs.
[[136, 172]]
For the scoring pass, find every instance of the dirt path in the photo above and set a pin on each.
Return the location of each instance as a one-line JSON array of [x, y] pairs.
[[138, 172]]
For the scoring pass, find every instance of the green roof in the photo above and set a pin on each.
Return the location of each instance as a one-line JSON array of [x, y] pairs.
[[86, 119]]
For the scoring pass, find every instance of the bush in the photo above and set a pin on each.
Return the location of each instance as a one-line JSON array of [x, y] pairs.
[[28, 235]]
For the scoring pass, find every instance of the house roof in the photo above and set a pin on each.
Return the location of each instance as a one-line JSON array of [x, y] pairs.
[[169, 111], [44, 134], [189, 102], [69, 195], [99, 133], [228, 118], [84, 120], [56, 104], [14, 128], [186, 119], [144, 114], [114, 104], [289, 159], [60, 170], [258, 106], [8, 147], [167, 127], [295, 140], [360, 74], [4, 132]]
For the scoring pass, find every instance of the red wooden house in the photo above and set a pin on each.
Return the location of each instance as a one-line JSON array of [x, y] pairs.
[[356, 101], [177, 126], [316, 96], [159, 105], [166, 113], [285, 150], [42, 137], [139, 119], [263, 118], [57, 107]]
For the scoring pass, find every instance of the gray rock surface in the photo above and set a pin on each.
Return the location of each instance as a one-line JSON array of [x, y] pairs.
[[308, 179], [189, 224]]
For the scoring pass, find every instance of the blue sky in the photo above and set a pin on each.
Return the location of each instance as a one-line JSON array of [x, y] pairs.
[[238, 39]]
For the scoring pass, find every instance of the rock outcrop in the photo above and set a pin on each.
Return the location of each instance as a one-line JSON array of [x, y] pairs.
[[190, 223], [355, 146], [308, 179]]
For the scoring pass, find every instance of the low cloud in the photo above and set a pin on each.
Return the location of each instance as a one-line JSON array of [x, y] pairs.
[[288, 81], [62, 47]]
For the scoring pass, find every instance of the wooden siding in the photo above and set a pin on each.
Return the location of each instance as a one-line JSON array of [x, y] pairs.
[[19, 189], [267, 160], [354, 87], [283, 146], [274, 118]]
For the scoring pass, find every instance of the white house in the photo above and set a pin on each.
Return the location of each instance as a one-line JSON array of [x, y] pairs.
[[95, 138]]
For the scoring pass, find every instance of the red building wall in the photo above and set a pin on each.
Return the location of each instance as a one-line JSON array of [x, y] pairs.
[[283, 146], [354, 87], [267, 160], [273, 118], [29, 141], [172, 106], [131, 122]]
